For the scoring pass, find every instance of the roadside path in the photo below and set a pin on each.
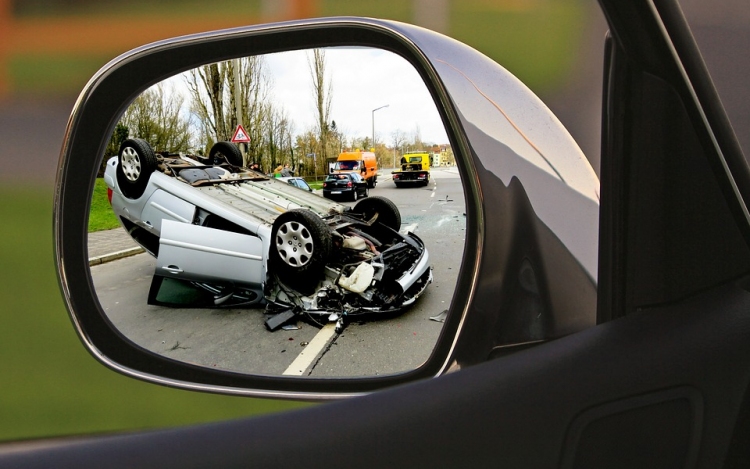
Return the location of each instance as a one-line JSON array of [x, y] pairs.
[[110, 245]]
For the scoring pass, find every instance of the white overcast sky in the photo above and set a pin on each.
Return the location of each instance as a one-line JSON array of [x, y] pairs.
[[362, 79]]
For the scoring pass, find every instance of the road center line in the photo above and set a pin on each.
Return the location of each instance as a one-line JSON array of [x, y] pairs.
[[312, 350]]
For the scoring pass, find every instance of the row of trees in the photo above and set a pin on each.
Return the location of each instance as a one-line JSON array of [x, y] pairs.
[[222, 95]]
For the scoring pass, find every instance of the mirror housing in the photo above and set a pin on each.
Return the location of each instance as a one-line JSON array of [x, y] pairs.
[[530, 254]]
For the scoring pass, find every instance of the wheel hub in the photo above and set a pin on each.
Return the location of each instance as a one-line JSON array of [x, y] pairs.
[[131, 164], [294, 244]]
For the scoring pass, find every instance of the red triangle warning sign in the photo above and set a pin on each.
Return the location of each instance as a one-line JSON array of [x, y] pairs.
[[240, 136]]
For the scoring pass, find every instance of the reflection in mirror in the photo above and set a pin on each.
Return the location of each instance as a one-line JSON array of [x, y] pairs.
[[296, 214]]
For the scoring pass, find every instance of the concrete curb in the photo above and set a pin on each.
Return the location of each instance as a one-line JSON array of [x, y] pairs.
[[114, 256]]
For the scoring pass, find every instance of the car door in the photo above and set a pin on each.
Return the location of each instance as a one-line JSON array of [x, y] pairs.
[[202, 254], [660, 381], [360, 185]]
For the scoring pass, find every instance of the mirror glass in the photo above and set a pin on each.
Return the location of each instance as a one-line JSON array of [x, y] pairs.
[[295, 214]]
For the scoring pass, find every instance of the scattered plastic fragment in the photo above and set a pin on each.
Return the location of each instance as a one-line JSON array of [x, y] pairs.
[[439, 317], [360, 279]]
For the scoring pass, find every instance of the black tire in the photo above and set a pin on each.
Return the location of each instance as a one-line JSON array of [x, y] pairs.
[[227, 152], [355, 194], [387, 212], [300, 248], [398, 184], [136, 161], [367, 192]]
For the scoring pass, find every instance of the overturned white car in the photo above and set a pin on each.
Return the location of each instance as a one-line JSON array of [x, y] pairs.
[[248, 239]]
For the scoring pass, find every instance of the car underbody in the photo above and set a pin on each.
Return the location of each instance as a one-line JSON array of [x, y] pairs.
[[248, 240]]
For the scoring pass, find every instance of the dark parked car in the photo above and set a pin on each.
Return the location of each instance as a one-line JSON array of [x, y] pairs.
[[350, 186], [651, 365]]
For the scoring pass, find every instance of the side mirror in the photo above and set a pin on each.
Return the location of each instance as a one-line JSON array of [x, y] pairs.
[[511, 260]]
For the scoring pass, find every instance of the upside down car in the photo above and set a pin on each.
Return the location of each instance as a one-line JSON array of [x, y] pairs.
[[249, 239]]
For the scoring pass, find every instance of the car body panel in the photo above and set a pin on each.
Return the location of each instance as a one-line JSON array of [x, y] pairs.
[[164, 206], [198, 253]]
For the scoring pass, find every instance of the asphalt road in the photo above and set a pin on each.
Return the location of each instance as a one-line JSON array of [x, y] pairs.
[[237, 339]]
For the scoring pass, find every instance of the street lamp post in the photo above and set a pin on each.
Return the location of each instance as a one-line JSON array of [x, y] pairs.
[[373, 122]]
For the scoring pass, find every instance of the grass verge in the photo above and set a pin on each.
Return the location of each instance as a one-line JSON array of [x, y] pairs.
[[534, 40], [101, 216], [50, 385]]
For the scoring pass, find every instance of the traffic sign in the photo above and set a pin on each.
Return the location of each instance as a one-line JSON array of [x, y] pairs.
[[240, 136]]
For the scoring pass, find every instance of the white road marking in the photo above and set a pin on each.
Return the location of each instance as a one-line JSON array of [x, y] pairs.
[[312, 350]]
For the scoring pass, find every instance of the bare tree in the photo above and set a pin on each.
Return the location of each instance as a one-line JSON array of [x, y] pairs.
[[322, 94], [416, 142], [362, 143], [214, 100], [207, 89], [156, 116], [278, 139], [307, 144], [398, 139]]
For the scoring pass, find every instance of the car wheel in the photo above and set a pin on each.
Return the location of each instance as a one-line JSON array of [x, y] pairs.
[[387, 212], [300, 247], [367, 192], [225, 152], [136, 161], [355, 195]]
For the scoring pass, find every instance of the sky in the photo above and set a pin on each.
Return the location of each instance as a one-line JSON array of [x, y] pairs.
[[362, 79]]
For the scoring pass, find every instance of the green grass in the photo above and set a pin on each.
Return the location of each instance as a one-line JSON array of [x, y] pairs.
[[47, 8], [49, 384], [101, 216], [54, 74], [315, 185], [537, 42]]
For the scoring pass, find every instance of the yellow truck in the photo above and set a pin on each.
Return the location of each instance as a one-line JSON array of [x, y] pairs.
[[415, 169], [362, 162]]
